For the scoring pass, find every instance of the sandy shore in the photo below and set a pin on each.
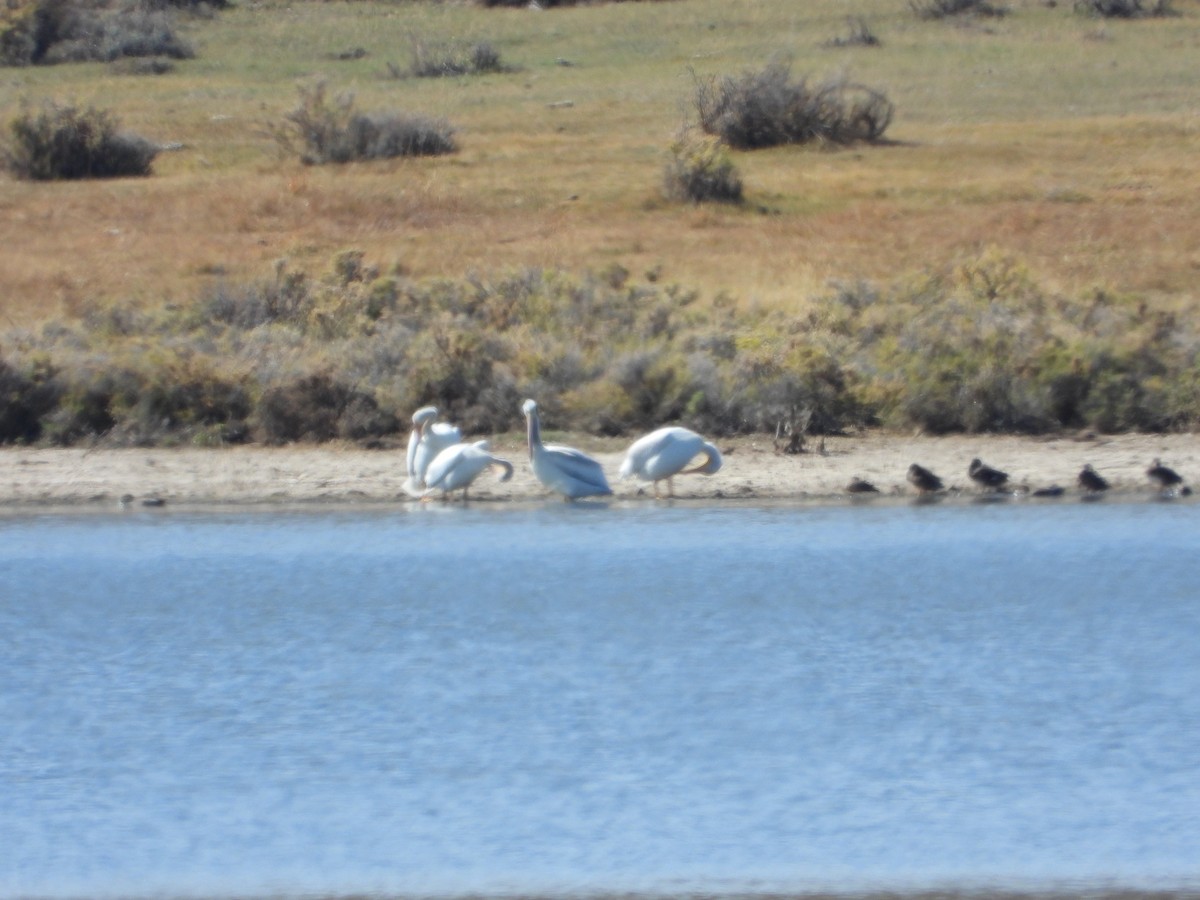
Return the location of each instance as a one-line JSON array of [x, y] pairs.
[[753, 470]]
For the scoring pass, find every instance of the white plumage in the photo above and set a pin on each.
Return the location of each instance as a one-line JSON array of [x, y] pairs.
[[567, 471], [458, 466], [665, 453], [428, 439]]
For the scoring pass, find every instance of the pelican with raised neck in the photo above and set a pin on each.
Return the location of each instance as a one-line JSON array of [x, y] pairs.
[[564, 470]]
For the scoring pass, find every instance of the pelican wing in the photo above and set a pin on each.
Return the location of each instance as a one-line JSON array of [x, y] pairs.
[[440, 473], [582, 474]]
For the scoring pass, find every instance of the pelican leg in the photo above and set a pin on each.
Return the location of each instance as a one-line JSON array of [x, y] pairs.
[[671, 487]]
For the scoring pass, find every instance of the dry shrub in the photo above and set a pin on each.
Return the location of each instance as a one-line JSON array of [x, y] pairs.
[[318, 407], [699, 170], [859, 34], [443, 60], [27, 395], [61, 31], [943, 9], [65, 142], [767, 108], [981, 347], [324, 129], [1125, 9]]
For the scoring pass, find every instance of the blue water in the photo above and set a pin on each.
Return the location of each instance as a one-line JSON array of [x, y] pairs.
[[624, 697]]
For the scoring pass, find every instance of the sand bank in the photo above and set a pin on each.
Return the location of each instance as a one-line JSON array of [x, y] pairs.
[[752, 470]]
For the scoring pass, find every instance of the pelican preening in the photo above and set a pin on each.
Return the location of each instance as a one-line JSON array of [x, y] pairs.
[[429, 438], [459, 465], [665, 453], [565, 470]]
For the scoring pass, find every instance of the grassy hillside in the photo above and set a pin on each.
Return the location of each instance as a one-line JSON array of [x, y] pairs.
[[1061, 143]]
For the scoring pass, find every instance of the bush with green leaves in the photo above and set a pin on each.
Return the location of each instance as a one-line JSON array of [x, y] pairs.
[[324, 129], [766, 108], [700, 170], [52, 142]]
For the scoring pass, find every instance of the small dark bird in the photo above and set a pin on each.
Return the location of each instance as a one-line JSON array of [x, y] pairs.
[[985, 476], [1092, 481], [859, 486], [1164, 476], [1053, 490], [923, 480]]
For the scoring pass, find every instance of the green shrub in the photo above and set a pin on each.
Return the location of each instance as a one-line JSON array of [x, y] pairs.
[[65, 142], [323, 130], [700, 170], [767, 108]]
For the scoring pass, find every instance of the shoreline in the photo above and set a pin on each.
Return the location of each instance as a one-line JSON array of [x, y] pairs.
[[333, 474]]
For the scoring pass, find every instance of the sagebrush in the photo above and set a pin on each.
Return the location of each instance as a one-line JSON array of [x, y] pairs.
[[767, 107], [51, 142], [977, 348], [329, 129]]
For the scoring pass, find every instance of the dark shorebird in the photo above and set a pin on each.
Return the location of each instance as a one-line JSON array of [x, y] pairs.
[[1053, 490], [859, 486], [1092, 481], [985, 476], [1164, 476], [923, 480]]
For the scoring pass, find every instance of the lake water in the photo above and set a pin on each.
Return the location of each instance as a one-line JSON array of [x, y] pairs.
[[598, 698]]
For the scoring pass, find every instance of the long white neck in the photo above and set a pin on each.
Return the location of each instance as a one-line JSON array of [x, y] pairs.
[[533, 433]]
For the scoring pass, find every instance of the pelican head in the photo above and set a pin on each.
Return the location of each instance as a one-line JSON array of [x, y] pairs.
[[424, 416], [529, 407], [712, 460]]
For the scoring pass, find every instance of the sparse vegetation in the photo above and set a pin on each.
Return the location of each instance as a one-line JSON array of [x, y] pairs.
[[55, 142], [324, 129], [766, 108]]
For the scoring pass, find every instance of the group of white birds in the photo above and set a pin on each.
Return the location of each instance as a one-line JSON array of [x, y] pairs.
[[439, 460]]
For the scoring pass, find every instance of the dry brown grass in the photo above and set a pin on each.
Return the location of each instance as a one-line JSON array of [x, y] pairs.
[[1037, 163]]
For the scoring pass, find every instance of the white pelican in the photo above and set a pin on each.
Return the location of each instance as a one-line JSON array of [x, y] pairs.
[[428, 439], [664, 453], [563, 469], [459, 465]]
